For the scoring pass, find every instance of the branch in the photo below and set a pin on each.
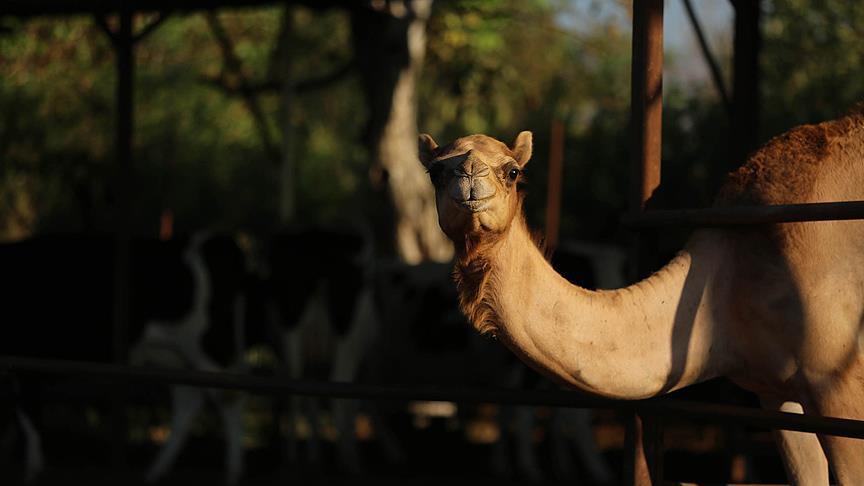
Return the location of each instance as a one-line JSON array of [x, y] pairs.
[[709, 58], [235, 87], [150, 27], [102, 22], [233, 65], [324, 80]]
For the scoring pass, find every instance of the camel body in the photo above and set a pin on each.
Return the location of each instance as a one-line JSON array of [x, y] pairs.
[[778, 309]]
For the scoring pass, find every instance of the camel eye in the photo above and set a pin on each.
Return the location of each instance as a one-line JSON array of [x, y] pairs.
[[513, 174]]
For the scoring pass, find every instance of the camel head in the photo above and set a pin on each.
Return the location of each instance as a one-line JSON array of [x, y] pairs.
[[475, 180]]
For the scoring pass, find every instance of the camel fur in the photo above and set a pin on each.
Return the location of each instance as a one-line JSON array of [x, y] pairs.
[[778, 309]]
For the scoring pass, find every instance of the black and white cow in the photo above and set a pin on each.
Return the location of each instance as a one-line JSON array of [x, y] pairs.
[[320, 298], [343, 316], [185, 297]]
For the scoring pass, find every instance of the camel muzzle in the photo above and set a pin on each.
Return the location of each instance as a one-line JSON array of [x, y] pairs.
[[471, 188]]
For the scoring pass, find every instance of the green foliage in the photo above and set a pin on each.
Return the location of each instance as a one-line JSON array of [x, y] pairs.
[[812, 61], [503, 66], [197, 149], [492, 66]]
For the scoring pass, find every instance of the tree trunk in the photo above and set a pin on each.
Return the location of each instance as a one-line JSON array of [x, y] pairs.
[[390, 40]]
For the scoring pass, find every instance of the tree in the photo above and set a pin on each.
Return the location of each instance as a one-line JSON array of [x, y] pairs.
[[390, 42], [812, 61]]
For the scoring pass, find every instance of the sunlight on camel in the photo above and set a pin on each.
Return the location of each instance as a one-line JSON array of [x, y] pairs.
[[778, 309]]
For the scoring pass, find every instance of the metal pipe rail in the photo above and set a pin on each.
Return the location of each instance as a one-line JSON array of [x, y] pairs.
[[660, 407], [747, 215]]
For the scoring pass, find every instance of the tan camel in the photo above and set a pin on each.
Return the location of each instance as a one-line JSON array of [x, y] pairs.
[[778, 309]]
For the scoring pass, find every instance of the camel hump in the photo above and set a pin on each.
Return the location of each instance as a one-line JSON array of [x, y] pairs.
[[809, 163]]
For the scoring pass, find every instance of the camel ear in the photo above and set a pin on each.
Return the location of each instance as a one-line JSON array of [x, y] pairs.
[[522, 148], [427, 148]]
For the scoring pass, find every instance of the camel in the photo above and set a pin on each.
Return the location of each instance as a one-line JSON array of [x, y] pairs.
[[778, 309]]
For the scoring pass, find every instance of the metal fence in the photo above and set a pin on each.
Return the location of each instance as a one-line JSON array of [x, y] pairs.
[[646, 119]]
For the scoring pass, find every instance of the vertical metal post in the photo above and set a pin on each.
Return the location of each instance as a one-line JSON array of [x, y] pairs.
[[646, 100], [553, 192], [646, 113], [123, 47], [745, 88], [123, 181]]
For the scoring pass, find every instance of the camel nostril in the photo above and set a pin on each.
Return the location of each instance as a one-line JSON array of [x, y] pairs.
[[473, 167], [482, 191], [471, 189]]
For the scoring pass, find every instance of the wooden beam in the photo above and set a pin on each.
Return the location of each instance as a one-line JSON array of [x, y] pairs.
[[32, 8]]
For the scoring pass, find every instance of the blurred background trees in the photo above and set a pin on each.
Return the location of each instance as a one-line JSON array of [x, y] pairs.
[[250, 119]]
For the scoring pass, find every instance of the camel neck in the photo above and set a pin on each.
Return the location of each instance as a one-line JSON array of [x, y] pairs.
[[646, 339]]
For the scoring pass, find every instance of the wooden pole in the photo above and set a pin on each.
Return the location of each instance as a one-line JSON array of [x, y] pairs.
[[553, 193], [646, 113], [124, 48], [646, 100], [745, 83], [123, 180]]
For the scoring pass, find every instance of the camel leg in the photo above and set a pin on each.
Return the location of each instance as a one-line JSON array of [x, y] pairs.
[[843, 398], [802, 454], [186, 402]]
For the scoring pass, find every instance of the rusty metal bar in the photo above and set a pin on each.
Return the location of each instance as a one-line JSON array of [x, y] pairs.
[[554, 177], [745, 82], [646, 99], [124, 49], [659, 407], [748, 215], [125, 113], [646, 117]]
